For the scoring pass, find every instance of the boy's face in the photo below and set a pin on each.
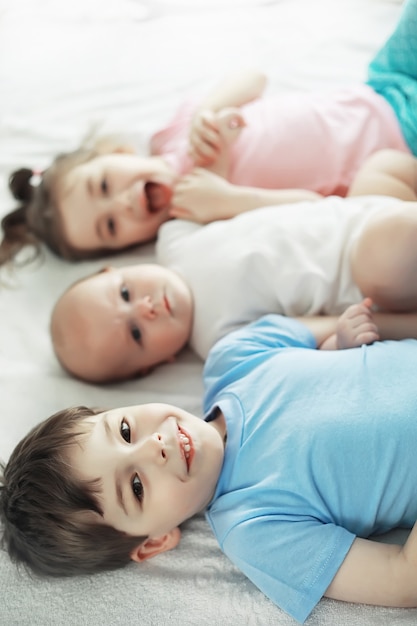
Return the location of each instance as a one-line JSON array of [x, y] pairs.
[[158, 466], [122, 321], [115, 200]]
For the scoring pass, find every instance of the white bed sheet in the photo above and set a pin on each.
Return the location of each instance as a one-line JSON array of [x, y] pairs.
[[124, 65]]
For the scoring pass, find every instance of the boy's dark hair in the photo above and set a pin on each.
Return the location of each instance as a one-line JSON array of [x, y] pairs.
[[44, 510]]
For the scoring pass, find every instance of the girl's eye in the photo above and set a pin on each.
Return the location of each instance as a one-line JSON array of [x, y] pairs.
[[124, 292], [136, 334], [125, 430], [137, 487], [103, 186], [111, 226]]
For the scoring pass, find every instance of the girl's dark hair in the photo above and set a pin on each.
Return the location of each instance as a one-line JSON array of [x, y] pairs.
[[37, 219], [44, 509]]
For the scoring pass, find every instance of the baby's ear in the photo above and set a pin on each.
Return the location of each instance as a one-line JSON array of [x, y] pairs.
[[124, 150], [153, 546], [145, 371], [106, 268]]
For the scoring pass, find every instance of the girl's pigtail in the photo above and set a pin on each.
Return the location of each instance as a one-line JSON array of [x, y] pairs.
[[19, 184], [16, 231]]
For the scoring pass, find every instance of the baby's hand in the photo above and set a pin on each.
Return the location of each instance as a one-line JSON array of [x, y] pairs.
[[356, 327], [202, 197]]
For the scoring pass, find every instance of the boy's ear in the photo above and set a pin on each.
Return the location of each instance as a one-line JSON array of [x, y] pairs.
[[153, 546]]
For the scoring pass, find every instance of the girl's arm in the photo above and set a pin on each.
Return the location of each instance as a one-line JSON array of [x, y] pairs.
[[233, 91], [204, 197], [378, 573], [387, 173]]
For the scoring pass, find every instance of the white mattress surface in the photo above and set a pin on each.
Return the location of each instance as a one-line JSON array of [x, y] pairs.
[[124, 65]]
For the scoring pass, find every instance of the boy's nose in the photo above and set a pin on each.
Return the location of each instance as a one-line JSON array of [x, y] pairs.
[[154, 448], [145, 308]]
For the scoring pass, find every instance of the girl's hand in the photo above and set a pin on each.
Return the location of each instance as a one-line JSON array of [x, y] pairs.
[[356, 326], [204, 138], [213, 132], [202, 197]]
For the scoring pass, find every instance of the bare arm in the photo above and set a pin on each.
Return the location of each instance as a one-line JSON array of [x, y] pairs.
[[378, 573], [203, 197], [387, 173], [233, 91], [360, 325]]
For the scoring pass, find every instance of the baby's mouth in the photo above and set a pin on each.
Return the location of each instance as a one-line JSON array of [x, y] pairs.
[[158, 196]]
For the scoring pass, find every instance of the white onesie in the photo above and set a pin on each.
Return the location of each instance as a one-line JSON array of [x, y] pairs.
[[289, 259]]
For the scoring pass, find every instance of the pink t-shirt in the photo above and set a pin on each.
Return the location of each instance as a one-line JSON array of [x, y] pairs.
[[313, 140]]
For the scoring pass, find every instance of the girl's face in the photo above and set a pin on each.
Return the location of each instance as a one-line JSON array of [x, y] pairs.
[[115, 200]]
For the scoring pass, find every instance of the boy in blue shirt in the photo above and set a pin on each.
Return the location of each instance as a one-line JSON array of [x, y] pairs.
[[304, 454], [319, 456]]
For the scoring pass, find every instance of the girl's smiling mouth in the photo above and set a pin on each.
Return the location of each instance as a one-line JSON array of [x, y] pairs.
[[158, 196]]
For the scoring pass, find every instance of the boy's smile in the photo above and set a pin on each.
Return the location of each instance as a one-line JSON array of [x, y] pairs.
[[157, 466], [187, 448]]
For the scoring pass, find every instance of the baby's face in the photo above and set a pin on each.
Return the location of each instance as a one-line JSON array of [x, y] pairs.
[[115, 200], [158, 466], [122, 321]]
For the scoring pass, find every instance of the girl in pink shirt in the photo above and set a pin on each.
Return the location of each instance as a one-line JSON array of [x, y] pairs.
[[232, 152]]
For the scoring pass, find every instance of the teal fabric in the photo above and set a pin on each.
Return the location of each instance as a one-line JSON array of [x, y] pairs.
[[393, 73]]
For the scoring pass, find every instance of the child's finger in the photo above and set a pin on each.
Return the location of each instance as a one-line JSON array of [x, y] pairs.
[[199, 157], [367, 337], [204, 155], [179, 212], [207, 118], [210, 137]]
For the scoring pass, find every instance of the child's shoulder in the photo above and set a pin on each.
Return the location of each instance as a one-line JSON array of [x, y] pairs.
[[233, 352], [171, 236]]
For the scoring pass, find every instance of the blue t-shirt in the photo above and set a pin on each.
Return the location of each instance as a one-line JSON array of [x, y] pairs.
[[321, 447]]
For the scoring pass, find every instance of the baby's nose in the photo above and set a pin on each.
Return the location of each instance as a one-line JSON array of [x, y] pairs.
[[145, 308]]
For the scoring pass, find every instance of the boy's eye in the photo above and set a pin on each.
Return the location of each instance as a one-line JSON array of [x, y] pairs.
[[111, 226], [125, 430], [124, 292], [136, 334], [137, 487], [103, 186]]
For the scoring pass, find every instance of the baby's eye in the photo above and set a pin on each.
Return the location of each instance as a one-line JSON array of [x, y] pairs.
[[111, 226], [125, 430], [137, 487], [124, 292], [103, 186], [136, 334]]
